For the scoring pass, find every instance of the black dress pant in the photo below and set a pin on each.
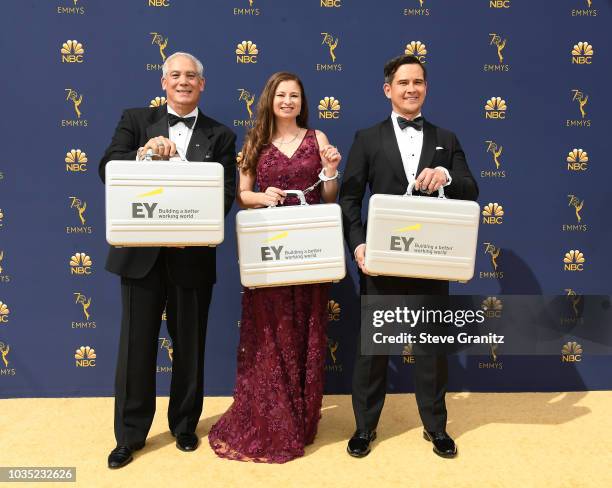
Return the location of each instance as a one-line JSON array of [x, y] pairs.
[[142, 303], [370, 372]]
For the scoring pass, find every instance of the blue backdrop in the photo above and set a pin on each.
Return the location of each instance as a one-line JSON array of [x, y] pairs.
[[71, 66]]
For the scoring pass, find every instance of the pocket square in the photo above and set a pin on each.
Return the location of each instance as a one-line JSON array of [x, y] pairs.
[[440, 148]]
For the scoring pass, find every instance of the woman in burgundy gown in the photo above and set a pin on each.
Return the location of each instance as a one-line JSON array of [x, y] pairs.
[[283, 341]]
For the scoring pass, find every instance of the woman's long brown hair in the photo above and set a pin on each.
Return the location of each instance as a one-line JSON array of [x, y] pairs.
[[261, 133]]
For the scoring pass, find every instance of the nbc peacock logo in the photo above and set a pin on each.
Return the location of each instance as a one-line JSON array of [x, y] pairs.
[[246, 52], [333, 311], [4, 313], [76, 161], [329, 108], [157, 102], [577, 160], [492, 307], [582, 53], [571, 352], [417, 49], [492, 213], [80, 264], [72, 52], [495, 108], [573, 260], [85, 357]]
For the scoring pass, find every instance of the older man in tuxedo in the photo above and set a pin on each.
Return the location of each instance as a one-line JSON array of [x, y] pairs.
[[179, 279], [386, 157]]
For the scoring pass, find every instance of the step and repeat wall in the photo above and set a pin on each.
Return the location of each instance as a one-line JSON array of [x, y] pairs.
[[525, 86]]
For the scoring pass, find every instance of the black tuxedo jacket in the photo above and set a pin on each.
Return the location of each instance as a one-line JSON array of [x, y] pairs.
[[210, 141], [375, 160]]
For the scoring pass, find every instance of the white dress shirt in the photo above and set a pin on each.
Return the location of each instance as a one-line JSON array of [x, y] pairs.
[[180, 134]]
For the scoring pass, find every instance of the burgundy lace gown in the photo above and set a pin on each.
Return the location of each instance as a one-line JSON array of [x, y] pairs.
[[281, 355]]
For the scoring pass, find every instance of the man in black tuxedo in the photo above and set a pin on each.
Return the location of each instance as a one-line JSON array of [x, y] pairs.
[[179, 279], [403, 148]]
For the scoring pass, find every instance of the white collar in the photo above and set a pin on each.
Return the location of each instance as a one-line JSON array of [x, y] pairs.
[[395, 115], [193, 113]]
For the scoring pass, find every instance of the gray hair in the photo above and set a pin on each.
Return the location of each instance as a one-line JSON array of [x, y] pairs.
[[197, 62]]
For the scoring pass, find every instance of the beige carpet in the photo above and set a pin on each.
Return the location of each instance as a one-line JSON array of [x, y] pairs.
[[504, 440]]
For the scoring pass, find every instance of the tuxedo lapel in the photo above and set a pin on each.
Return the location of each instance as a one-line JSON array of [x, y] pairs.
[[391, 147], [429, 147], [201, 140], [160, 126]]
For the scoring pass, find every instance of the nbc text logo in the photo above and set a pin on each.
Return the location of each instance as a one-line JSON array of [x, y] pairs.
[[494, 253], [76, 161], [331, 43], [571, 352], [85, 357], [72, 52], [75, 100], [421, 10], [499, 43], [333, 311], [247, 11], [329, 108], [492, 307], [577, 160], [495, 108], [331, 3], [416, 49], [493, 214], [157, 102], [582, 53], [249, 99], [246, 52], [4, 313], [499, 3], [584, 12], [573, 260], [80, 264], [159, 3], [581, 99]]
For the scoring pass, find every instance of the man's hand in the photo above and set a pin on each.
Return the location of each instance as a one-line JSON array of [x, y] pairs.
[[360, 251], [430, 180], [161, 146]]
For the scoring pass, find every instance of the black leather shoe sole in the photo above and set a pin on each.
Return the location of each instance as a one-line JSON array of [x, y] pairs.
[[444, 454], [362, 453], [188, 445]]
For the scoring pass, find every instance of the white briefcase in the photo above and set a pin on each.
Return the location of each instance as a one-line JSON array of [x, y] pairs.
[[290, 245], [422, 237], [162, 203]]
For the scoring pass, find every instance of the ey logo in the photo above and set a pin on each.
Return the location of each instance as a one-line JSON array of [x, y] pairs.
[[333, 311], [249, 100], [571, 352], [80, 264], [84, 302], [331, 43], [246, 52], [582, 53], [145, 210], [581, 99], [402, 243], [495, 108], [416, 49], [76, 161], [500, 44], [72, 52], [329, 108], [273, 253], [85, 357], [158, 40], [577, 160], [492, 307], [76, 100], [157, 102], [4, 313], [80, 207], [492, 213], [573, 260], [496, 152], [575, 202]]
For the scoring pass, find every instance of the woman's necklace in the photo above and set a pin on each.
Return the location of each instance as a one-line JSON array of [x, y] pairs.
[[281, 142]]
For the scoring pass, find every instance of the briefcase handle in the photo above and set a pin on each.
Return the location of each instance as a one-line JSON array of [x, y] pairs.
[[299, 194], [410, 189]]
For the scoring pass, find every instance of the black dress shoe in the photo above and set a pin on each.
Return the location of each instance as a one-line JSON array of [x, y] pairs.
[[359, 444], [187, 441], [443, 445], [122, 455]]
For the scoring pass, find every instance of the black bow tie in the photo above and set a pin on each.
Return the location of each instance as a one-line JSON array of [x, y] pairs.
[[415, 124], [175, 119]]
